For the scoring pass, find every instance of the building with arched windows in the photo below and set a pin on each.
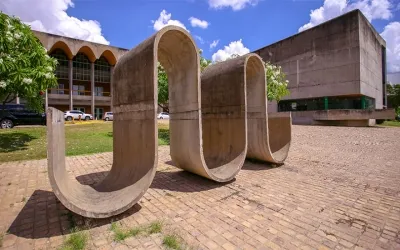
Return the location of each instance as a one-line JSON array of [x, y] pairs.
[[84, 74]]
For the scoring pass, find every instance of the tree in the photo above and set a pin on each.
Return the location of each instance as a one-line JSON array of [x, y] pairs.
[[393, 97], [277, 85], [26, 70], [163, 82]]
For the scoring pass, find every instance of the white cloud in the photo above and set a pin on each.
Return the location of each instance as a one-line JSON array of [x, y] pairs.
[[164, 20], [235, 47], [372, 9], [214, 44], [391, 34], [234, 4], [195, 22], [201, 40], [51, 16]]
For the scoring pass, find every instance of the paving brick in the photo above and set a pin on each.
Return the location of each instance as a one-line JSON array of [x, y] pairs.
[[324, 196]]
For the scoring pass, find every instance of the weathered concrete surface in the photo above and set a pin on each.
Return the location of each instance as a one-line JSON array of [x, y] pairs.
[[354, 114], [72, 46], [208, 123], [341, 57], [340, 117]]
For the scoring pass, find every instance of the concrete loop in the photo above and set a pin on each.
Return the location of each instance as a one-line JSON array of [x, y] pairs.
[[208, 123]]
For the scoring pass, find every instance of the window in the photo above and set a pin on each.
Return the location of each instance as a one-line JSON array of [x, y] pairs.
[[102, 70], [78, 110], [81, 67], [324, 103], [59, 90], [63, 65], [78, 90], [98, 113], [98, 91]]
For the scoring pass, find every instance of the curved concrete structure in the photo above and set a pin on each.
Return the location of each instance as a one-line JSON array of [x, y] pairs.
[[135, 126], [268, 137]]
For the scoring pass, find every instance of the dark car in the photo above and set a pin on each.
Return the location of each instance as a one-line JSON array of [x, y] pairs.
[[18, 114]]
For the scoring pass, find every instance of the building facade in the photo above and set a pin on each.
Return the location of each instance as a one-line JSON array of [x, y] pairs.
[[337, 65], [84, 74]]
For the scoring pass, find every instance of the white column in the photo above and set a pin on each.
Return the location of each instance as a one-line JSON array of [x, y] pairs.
[[92, 86], [70, 78], [17, 99], [111, 87], [46, 100]]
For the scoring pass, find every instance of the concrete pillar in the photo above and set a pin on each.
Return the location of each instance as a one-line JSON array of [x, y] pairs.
[[111, 86], [92, 87], [18, 102], [46, 100], [70, 79]]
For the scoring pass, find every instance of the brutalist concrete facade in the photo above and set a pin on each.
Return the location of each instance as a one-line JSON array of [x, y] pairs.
[[343, 58]]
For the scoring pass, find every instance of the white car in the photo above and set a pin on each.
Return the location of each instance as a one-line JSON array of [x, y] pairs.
[[76, 114], [163, 115]]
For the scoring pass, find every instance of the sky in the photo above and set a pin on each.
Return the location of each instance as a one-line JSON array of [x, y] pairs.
[[220, 27]]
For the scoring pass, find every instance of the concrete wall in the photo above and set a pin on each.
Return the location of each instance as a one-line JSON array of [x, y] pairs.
[[331, 59], [371, 62], [72, 46]]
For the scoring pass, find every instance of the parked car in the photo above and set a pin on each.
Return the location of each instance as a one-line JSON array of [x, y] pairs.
[[108, 116], [76, 114], [18, 114], [163, 115]]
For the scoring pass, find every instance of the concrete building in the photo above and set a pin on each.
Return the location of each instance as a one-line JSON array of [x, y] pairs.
[[84, 74], [332, 68]]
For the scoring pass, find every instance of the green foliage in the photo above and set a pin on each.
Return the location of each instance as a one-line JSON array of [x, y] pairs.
[[277, 85], [76, 241], [25, 68], [393, 96]]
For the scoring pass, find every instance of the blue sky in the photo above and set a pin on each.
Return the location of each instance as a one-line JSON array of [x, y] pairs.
[[239, 26]]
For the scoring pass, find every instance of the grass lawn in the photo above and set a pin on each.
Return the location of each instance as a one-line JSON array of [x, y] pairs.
[[391, 123], [27, 143]]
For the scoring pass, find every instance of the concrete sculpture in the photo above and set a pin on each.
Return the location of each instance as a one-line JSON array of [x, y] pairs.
[[208, 123]]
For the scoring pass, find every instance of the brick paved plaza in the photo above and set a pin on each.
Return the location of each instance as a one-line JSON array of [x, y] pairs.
[[339, 189]]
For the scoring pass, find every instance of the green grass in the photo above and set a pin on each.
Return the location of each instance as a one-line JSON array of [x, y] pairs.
[[155, 227], [81, 138], [120, 234], [76, 241], [172, 241], [391, 123]]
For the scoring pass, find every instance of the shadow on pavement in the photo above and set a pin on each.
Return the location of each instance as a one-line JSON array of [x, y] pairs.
[[44, 216]]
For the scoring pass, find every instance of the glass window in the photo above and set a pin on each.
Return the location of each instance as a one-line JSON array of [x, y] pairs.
[[333, 102], [78, 89], [81, 67], [62, 66], [98, 91], [102, 70]]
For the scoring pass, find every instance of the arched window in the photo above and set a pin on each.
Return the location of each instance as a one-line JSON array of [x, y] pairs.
[[62, 66], [102, 70], [81, 67]]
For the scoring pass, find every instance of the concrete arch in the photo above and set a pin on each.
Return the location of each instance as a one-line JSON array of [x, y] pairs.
[[88, 52], [64, 47], [109, 55], [208, 126]]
